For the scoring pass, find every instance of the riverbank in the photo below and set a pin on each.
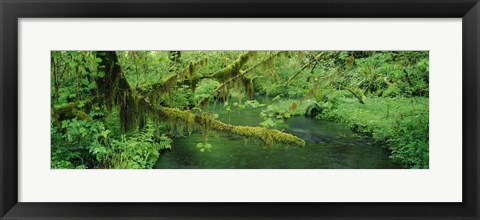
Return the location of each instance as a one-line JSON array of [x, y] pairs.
[[398, 124], [401, 124]]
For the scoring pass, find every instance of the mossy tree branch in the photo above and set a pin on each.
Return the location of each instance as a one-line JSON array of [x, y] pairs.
[[234, 68], [268, 136], [241, 76]]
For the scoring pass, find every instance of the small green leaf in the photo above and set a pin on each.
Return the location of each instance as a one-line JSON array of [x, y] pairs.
[[64, 124], [101, 74], [270, 122], [92, 85], [81, 104], [72, 64], [85, 82]]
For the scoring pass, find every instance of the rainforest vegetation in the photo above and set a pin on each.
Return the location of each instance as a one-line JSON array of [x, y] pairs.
[[138, 109]]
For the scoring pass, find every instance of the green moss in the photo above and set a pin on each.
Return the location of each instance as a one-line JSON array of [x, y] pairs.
[[233, 69], [107, 85], [248, 86], [207, 124], [158, 93], [69, 111], [236, 79], [268, 136]]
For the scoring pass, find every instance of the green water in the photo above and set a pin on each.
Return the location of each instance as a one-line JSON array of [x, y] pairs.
[[329, 145]]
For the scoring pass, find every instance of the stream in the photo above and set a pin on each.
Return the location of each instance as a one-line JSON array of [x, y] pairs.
[[329, 145]]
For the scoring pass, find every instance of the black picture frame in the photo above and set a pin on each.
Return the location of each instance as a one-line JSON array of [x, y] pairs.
[[12, 10]]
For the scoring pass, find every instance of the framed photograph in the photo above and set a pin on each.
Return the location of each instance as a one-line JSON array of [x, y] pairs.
[[239, 109]]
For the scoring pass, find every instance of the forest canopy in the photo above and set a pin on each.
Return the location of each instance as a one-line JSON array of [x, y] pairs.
[[125, 109]]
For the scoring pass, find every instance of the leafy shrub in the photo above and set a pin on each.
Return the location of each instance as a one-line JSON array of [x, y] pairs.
[[275, 114], [205, 89], [70, 147], [139, 151], [409, 143]]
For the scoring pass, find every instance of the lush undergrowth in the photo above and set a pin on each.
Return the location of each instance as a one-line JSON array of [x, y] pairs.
[[82, 144]]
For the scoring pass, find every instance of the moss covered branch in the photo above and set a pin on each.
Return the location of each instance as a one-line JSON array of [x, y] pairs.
[[164, 87], [234, 68], [268, 136]]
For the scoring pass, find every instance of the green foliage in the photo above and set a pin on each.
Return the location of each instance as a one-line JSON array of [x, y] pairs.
[[204, 147], [88, 144], [276, 113], [382, 95], [250, 104], [409, 143], [71, 142], [204, 89], [274, 116], [139, 151], [183, 97], [392, 74]]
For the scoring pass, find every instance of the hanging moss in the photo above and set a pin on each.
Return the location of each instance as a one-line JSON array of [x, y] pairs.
[[248, 86], [349, 61], [267, 63], [205, 124], [300, 56], [157, 93], [270, 63], [224, 93], [233, 69], [107, 85], [114, 89], [130, 113], [192, 68], [293, 108]]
